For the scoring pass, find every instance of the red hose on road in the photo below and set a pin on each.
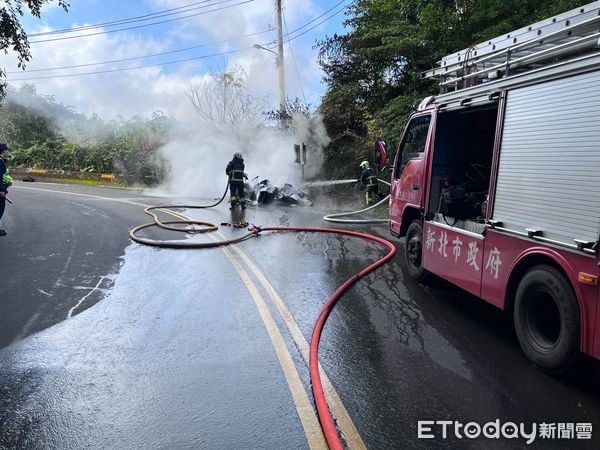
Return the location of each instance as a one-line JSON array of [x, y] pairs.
[[327, 424], [322, 409]]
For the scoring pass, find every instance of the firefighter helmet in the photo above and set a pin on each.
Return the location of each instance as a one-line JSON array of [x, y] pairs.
[[364, 165], [237, 155]]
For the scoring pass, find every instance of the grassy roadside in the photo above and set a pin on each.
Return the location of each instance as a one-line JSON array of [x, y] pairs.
[[80, 178], [101, 183]]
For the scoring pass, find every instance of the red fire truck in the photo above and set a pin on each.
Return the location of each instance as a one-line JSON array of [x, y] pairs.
[[496, 182]]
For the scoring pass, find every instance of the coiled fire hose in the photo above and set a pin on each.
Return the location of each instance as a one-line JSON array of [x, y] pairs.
[[329, 429], [205, 227]]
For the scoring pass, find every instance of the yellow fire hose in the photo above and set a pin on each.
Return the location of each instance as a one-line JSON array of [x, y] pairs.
[[205, 227]]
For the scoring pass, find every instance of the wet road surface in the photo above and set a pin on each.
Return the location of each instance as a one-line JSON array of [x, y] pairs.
[[174, 350], [61, 252]]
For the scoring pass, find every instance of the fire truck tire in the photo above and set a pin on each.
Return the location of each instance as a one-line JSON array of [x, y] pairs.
[[413, 251], [547, 320]]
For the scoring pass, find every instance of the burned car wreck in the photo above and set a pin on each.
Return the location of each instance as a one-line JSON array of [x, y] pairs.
[[265, 193]]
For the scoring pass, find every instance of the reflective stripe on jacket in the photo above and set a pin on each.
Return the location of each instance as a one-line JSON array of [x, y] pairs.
[[235, 170], [236, 175], [6, 178]]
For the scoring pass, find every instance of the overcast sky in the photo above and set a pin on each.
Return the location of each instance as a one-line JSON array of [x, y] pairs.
[[213, 27]]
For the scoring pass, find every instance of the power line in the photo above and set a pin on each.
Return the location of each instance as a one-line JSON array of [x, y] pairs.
[[143, 56], [132, 68], [188, 59], [269, 44], [316, 25], [123, 21], [318, 17], [294, 60], [145, 25]]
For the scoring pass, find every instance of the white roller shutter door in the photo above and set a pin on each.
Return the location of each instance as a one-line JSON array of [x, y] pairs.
[[549, 169]]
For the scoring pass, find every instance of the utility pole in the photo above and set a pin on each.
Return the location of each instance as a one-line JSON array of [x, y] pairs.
[[280, 65]]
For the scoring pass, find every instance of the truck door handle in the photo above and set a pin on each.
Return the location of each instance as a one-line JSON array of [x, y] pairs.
[[415, 187]]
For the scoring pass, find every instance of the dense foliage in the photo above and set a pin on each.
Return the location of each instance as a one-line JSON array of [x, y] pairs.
[[372, 72], [43, 133], [372, 75]]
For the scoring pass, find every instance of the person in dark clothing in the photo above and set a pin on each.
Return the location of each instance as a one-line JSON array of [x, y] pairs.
[[5, 180], [235, 172], [370, 181]]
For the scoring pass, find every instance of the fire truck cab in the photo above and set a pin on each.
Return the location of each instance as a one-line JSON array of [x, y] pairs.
[[496, 182]]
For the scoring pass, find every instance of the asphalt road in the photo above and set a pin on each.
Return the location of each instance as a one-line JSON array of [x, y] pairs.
[[109, 344], [58, 252]]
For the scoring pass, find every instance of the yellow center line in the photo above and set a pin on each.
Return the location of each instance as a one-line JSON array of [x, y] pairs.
[[310, 423], [336, 406], [306, 412]]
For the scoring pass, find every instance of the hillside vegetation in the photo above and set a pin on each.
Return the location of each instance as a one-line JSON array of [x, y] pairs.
[[373, 71], [372, 78]]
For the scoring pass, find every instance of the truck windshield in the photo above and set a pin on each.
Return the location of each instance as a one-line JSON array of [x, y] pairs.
[[413, 145]]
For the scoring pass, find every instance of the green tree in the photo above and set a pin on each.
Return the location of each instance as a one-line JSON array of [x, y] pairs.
[[25, 118], [134, 148], [374, 71], [12, 33], [346, 120], [285, 117], [49, 135]]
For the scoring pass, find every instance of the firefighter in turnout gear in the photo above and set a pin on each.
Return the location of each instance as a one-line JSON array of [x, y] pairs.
[[235, 172], [370, 181], [5, 180]]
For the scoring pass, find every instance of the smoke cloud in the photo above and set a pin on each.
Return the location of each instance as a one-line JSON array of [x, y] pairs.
[[197, 160]]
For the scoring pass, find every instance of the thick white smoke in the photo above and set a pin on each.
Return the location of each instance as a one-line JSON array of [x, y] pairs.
[[197, 160]]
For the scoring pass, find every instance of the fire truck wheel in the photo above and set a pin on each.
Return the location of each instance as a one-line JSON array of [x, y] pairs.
[[547, 320], [413, 251]]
